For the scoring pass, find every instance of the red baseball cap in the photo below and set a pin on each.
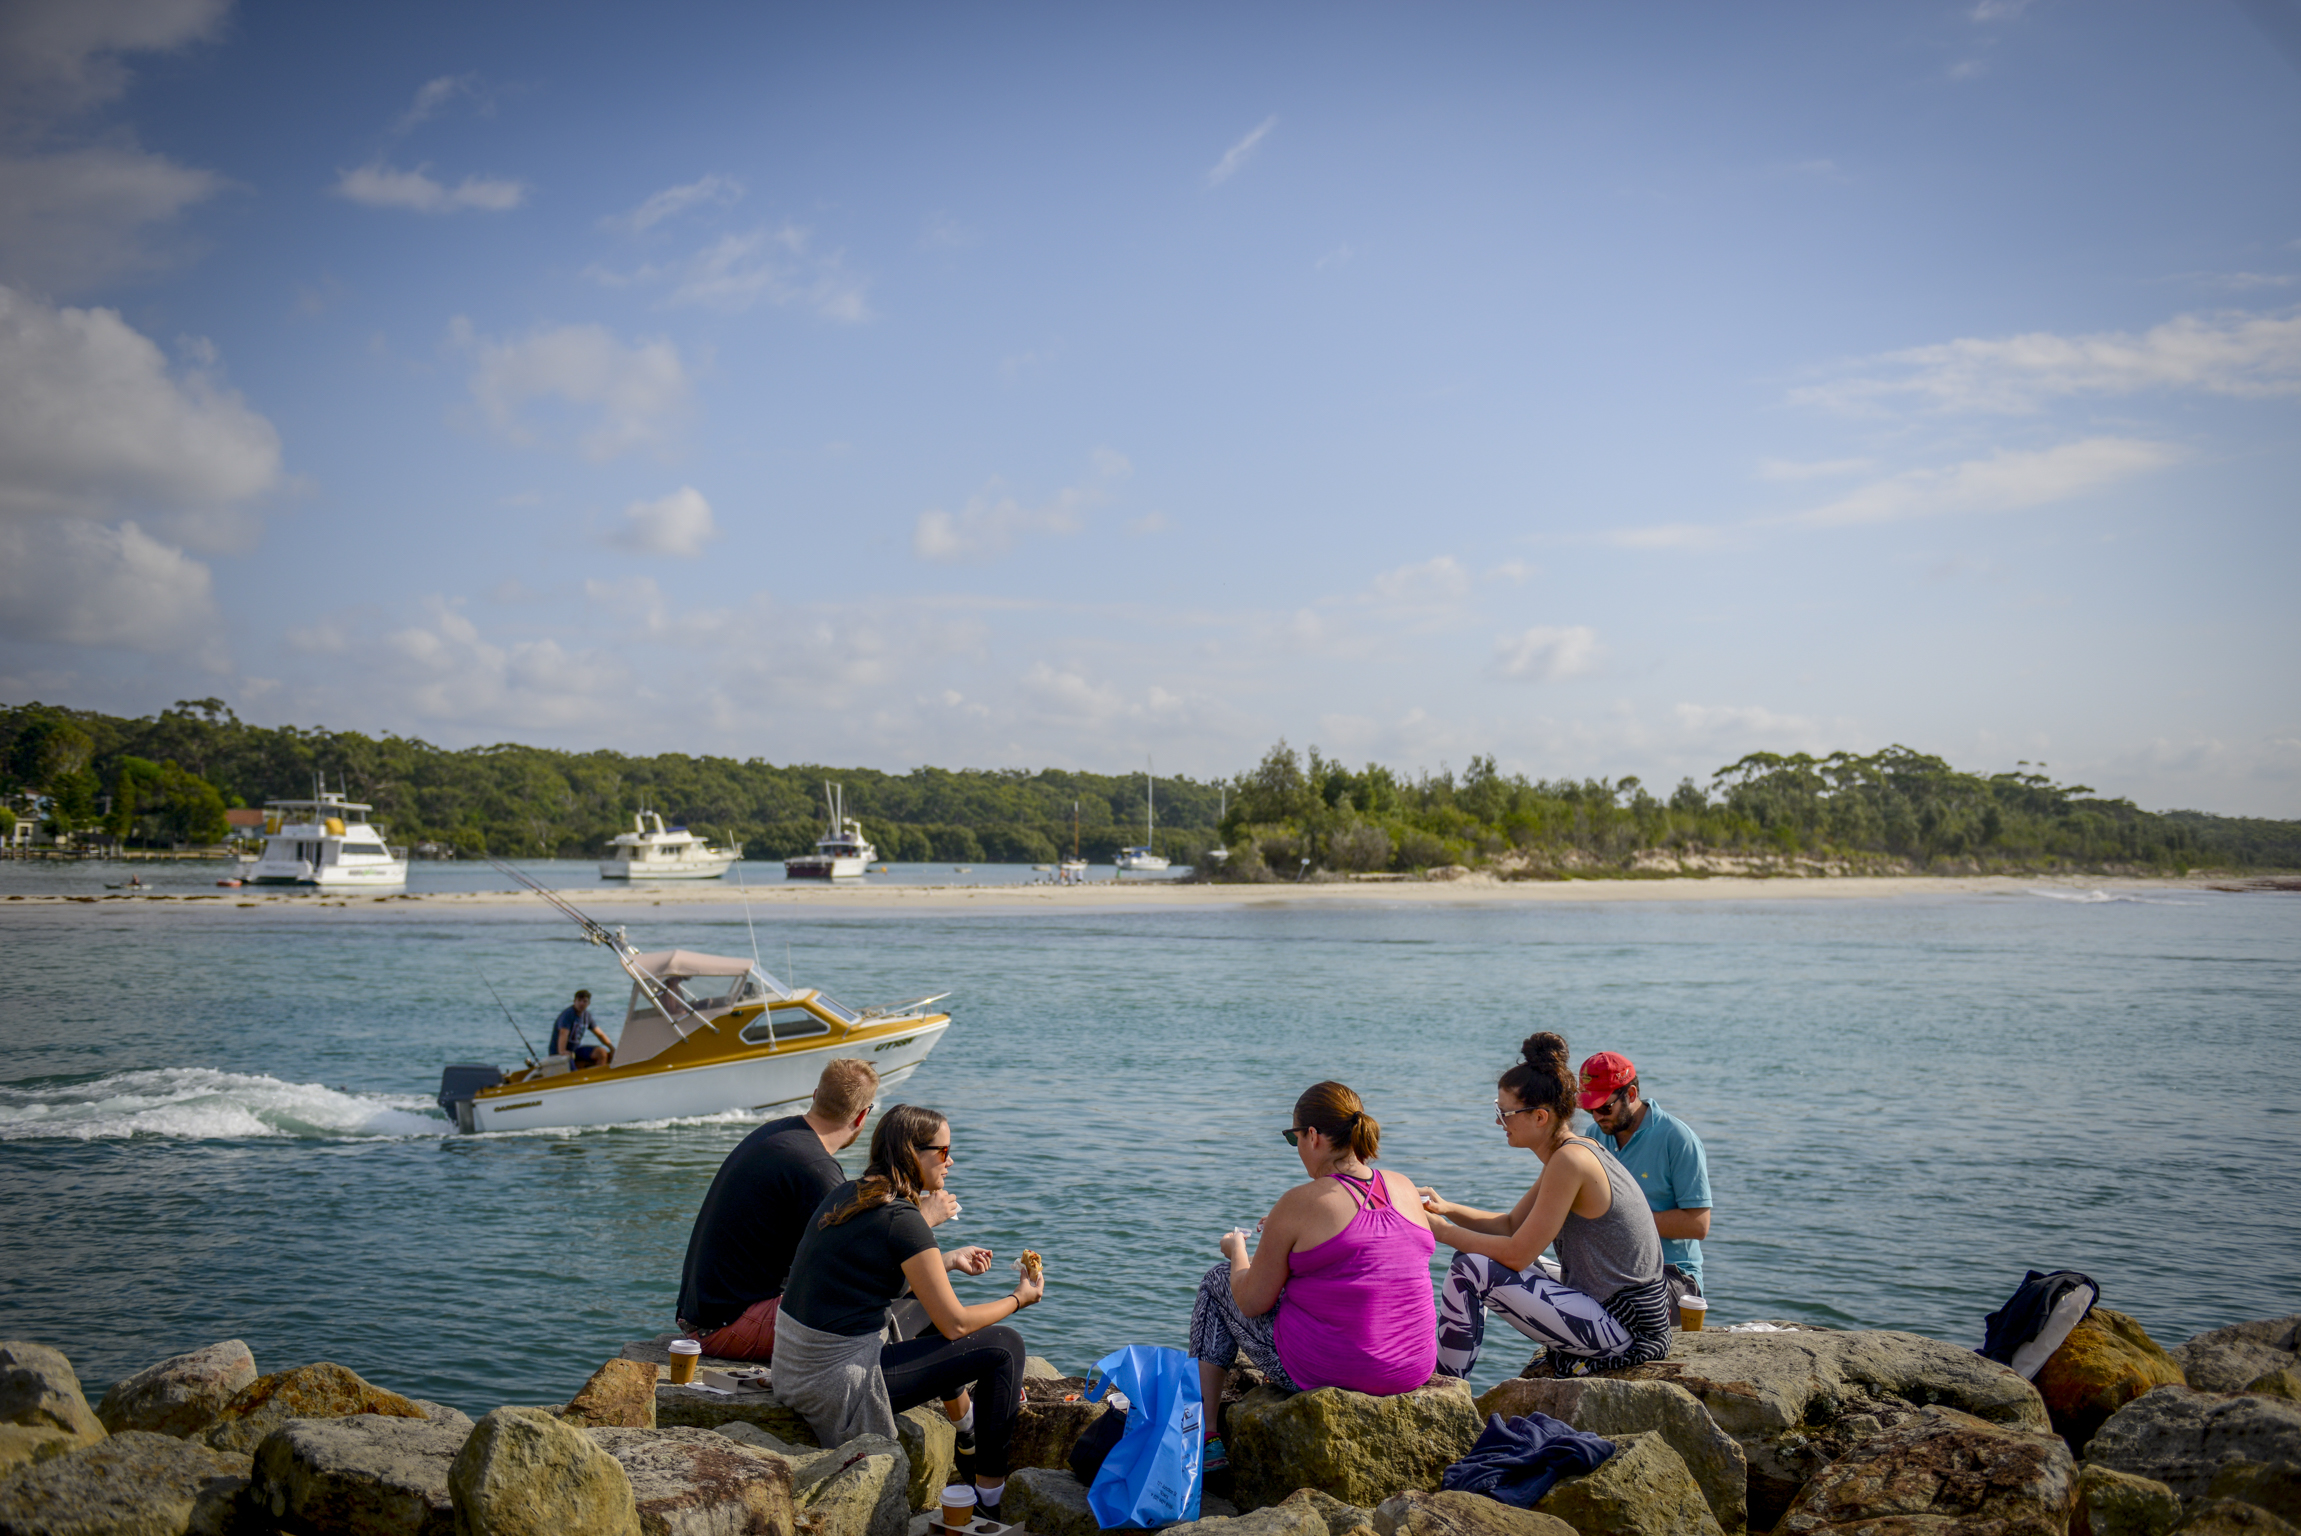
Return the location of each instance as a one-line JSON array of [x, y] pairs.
[[1603, 1076]]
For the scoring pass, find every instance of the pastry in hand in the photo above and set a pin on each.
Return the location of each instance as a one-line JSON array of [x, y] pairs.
[[1030, 1264]]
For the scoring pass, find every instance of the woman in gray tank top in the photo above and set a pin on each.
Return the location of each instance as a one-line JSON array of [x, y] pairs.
[[1608, 1308]]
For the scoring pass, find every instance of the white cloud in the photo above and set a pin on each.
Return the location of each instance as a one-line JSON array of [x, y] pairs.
[[2007, 481], [1668, 536], [2225, 354], [446, 670], [735, 272], [1238, 154], [1544, 654], [434, 95], [720, 191], [377, 185], [1998, 10], [677, 524], [1441, 581], [631, 395], [59, 56], [82, 583], [73, 221], [93, 424], [1729, 729], [992, 521]]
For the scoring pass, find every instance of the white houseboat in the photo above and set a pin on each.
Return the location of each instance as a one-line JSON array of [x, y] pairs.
[[663, 853], [327, 842], [842, 852]]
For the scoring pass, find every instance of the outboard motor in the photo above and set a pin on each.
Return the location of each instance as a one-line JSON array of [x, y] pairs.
[[458, 1083]]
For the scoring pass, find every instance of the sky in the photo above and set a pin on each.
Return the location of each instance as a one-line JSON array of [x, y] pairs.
[[1608, 389]]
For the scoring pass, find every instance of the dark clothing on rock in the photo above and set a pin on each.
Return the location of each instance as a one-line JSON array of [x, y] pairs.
[[2026, 1310], [843, 1277], [760, 1201], [1517, 1461], [933, 1369]]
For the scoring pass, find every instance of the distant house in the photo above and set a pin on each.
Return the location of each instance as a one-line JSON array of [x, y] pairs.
[[244, 822]]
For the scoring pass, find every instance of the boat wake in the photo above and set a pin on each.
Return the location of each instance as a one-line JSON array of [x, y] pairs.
[[2097, 898], [202, 1104]]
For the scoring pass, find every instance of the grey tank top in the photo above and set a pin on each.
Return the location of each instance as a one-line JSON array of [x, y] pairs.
[[1606, 1255]]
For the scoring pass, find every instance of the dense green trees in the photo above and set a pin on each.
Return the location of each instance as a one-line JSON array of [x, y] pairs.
[[169, 778], [1296, 813]]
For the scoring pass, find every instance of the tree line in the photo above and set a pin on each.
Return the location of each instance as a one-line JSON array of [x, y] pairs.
[[167, 779]]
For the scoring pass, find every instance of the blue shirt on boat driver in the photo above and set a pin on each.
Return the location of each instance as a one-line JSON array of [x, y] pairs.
[[1666, 1158], [576, 1022]]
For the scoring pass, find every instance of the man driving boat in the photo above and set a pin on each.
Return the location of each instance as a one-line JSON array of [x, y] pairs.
[[567, 1035]]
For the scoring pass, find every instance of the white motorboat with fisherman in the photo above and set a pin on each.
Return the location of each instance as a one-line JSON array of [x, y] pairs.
[[704, 1034], [664, 853], [842, 852], [327, 842]]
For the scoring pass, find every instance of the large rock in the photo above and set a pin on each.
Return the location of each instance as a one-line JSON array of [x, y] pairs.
[[1305, 1512], [1613, 1408], [322, 1391], [366, 1475], [2182, 1437], [2120, 1504], [690, 1408], [1783, 1396], [132, 1484], [40, 1390], [1360, 1449], [1040, 1368], [619, 1395], [524, 1473], [183, 1394], [931, 1442], [2228, 1358], [1048, 1503], [1945, 1472], [2233, 1517], [1048, 1427], [698, 1482], [1643, 1489], [2283, 1382], [861, 1488], [2107, 1361], [22, 1443], [2275, 1486], [1461, 1514]]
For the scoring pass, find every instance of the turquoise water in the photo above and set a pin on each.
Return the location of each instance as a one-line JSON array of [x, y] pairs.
[[217, 1122]]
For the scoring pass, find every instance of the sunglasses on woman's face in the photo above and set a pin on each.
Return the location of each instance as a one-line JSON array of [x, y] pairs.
[[943, 1152], [1293, 1138]]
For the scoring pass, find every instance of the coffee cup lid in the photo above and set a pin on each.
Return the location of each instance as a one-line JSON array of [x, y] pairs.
[[958, 1493], [686, 1347], [1692, 1304]]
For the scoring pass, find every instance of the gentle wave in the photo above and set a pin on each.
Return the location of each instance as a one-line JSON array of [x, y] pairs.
[[202, 1104], [2095, 898]]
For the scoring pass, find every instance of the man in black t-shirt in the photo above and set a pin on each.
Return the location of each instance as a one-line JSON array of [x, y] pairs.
[[751, 1221]]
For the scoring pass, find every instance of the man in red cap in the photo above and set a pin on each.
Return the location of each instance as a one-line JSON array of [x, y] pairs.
[[1662, 1152]]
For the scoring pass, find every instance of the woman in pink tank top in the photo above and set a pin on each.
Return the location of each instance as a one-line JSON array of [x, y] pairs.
[[1337, 1293]]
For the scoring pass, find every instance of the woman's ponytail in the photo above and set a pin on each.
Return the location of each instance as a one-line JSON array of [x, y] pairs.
[[1336, 1113]]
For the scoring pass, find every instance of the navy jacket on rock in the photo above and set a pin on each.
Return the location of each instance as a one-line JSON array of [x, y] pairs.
[[1518, 1461]]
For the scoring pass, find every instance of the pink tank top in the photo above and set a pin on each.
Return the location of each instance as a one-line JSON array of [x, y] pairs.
[[1357, 1310]]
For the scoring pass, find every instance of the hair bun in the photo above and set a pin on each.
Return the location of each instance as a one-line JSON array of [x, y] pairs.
[[1544, 1049]]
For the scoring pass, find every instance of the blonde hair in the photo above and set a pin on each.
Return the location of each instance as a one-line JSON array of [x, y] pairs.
[[1340, 1116], [845, 1089]]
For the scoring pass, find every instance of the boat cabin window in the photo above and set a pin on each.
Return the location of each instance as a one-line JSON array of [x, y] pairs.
[[790, 1024]]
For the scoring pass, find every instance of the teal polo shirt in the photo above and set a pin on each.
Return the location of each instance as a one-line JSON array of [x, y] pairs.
[[1665, 1157]]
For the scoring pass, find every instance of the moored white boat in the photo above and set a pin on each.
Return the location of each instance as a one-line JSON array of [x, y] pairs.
[[327, 842], [703, 1035], [672, 853], [842, 852], [1141, 859]]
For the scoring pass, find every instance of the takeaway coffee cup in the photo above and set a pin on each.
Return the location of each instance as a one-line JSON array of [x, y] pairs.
[[958, 1506], [686, 1354], [1693, 1311]]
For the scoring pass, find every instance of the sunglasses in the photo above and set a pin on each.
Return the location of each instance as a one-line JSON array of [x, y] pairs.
[[1293, 1138], [1502, 1116], [943, 1152]]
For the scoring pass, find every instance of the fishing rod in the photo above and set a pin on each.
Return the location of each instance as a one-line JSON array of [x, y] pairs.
[[667, 1000], [507, 1018]]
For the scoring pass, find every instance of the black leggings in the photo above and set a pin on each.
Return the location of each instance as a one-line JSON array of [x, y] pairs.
[[931, 1368]]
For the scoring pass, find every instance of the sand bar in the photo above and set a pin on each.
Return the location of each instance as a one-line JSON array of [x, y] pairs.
[[1150, 896]]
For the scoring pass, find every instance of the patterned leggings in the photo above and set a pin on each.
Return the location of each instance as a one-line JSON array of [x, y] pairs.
[[1584, 1334], [1218, 1330]]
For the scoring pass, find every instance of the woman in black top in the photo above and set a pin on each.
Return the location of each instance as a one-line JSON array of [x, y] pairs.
[[865, 1241]]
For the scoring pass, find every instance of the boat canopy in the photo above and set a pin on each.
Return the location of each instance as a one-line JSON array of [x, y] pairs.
[[710, 984]]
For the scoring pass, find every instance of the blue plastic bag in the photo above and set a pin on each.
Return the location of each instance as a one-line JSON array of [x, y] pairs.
[[1151, 1477]]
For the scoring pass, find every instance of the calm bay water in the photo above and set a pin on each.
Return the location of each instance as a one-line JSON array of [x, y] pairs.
[[217, 1122]]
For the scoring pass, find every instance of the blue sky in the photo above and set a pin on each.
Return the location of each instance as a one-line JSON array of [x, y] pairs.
[[1611, 389]]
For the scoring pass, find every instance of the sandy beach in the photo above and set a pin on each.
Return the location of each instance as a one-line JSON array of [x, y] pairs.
[[1108, 896]]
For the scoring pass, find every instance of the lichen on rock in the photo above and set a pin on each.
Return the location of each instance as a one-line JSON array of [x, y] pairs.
[[1358, 1448], [322, 1391], [524, 1473], [1461, 1514], [1945, 1471], [2107, 1361], [40, 1390], [1643, 1489], [1610, 1407], [183, 1394]]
